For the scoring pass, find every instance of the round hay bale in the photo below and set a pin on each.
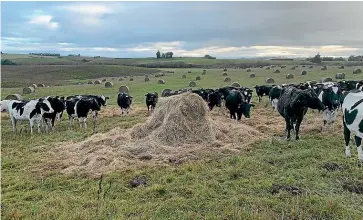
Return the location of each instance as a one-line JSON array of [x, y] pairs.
[[310, 67], [248, 70], [341, 67], [340, 76], [162, 74], [41, 85], [146, 75], [28, 90], [189, 71], [303, 66], [227, 79], [192, 84], [328, 79], [357, 71], [304, 72], [323, 68], [184, 76], [225, 70], [268, 68], [283, 66], [121, 79], [269, 80], [125, 77], [204, 72], [252, 75], [123, 89], [198, 78], [97, 82], [104, 80], [277, 71], [90, 82], [131, 79], [165, 92], [34, 85], [289, 76], [235, 84], [293, 68], [224, 74], [146, 79], [272, 66], [161, 81], [14, 97], [156, 75], [108, 84]]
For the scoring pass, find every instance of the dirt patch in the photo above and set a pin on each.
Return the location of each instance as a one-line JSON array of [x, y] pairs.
[[137, 181], [332, 166], [355, 187], [290, 189]]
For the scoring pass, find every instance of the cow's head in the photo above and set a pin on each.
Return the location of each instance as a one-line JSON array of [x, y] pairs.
[[152, 97], [332, 97], [246, 109], [308, 98], [44, 105], [101, 99]]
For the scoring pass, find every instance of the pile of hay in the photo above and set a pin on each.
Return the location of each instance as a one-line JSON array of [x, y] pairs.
[[236, 84], [227, 79], [28, 90], [161, 81], [304, 72], [146, 79], [252, 75], [356, 71], [123, 89], [14, 97], [97, 82], [289, 76], [184, 76], [192, 84], [340, 76], [269, 80], [277, 71], [198, 78], [108, 84]]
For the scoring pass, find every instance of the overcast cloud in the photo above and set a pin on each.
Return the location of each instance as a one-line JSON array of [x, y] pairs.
[[221, 29]]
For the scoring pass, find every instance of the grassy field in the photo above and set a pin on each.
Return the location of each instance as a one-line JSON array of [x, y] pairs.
[[229, 185]]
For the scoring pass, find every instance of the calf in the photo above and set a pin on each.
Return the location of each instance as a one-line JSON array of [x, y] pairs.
[[331, 97], [353, 121], [58, 104], [32, 110], [293, 105], [151, 100], [237, 105], [124, 101], [261, 91], [79, 108]]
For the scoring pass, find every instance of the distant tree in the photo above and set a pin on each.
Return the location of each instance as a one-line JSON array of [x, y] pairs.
[[339, 59], [316, 59], [355, 58], [158, 54], [163, 55], [209, 57], [327, 58], [7, 62]]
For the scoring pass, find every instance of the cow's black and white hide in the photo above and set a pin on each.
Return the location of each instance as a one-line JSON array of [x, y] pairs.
[[331, 96], [32, 110], [274, 96], [124, 101], [293, 105], [262, 91], [151, 100], [79, 108], [353, 121], [59, 105]]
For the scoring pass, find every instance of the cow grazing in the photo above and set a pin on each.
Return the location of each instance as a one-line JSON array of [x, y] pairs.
[[124, 101], [151, 100], [79, 108], [274, 96], [331, 97], [237, 105], [32, 110], [353, 121], [293, 105], [261, 91], [59, 105]]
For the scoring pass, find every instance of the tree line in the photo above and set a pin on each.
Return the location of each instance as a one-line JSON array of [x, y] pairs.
[[46, 54], [164, 55]]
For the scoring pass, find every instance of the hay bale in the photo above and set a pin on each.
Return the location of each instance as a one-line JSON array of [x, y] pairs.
[[204, 72], [165, 92], [357, 71], [156, 75], [161, 81], [34, 86], [108, 84], [304, 72], [224, 74], [323, 68], [41, 85], [184, 76], [310, 67], [89, 82], [252, 75], [293, 68], [28, 90], [125, 77], [198, 78], [235, 84], [269, 80], [123, 89], [162, 74], [248, 70], [104, 80], [272, 66], [225, 70], [303, 66], [227, 79], [131, 79], [289, 76], [97, 82], [121, 79], [341, 67], [268, 68], [146, 75], [328, 79], [146, 79], [283, 66], [14, 97], [189, 71], [340, 76], [192, 84], [277, 71]]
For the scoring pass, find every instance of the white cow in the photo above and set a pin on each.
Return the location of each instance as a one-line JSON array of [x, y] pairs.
[[32, 110], [353, 121]]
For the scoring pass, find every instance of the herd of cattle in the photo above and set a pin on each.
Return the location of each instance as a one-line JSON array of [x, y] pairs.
[[290, 100]]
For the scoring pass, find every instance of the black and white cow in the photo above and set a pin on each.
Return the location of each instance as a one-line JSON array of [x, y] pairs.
[[101, 99], [331, 96], [353, 121], [32, 110], [124, 101], [151, 100], [59, 105], [274, 96], [262, 90], [293, 105], [79, 108]]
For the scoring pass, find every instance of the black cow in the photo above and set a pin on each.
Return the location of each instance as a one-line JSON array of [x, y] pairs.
[[237, 105], [79, 108], [347, 85], [293, 105], [214, 99], [202, 93], [262, 90], [59, 105], [151, 100], [124, 101]]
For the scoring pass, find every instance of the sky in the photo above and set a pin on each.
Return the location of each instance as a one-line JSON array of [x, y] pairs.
[[220, 29]]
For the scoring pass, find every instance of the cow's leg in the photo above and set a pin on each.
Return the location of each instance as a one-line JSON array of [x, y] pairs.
[[31, 122], [52, 123], [46, 124], [80, 120], [70, 122], [288, 128], [347, 139], [84, 123], [297, 127], [13, 123], [39, 122], [259, 98], [358, 142]]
